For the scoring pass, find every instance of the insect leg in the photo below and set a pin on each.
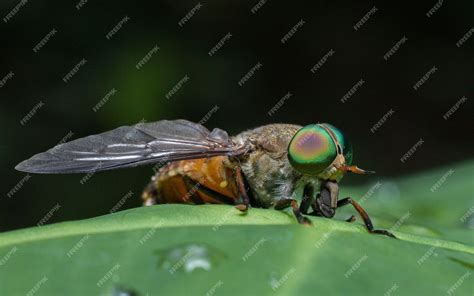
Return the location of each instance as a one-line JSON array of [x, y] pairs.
[[317, 212], [351, 219], [243, 207], [363, 214], [305, 204], [306, 200], [289, 202]]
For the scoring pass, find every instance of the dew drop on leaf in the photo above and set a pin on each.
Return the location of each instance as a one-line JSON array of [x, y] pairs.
[[189, 258]]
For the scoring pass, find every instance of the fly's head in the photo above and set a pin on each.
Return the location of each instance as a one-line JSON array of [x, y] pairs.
[[322, 151]]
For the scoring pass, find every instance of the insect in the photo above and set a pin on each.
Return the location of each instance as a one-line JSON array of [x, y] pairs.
[[272, 166]]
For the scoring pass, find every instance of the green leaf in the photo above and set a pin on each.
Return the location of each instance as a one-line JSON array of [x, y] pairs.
[[202, 250]]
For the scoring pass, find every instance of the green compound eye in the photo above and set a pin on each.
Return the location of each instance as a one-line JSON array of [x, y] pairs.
[[311, 150], [344, 142]]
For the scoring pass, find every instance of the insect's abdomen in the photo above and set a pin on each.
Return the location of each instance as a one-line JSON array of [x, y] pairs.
[[195, 181]]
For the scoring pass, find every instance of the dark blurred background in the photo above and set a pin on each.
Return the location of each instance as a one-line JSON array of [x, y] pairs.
[[59, 107]]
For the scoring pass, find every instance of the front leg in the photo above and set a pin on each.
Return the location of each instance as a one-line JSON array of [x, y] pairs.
[[363, 214], [289, 202], [244, 202], [306, 200]]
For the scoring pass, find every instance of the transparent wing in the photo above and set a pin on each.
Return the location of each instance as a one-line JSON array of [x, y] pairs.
[[130, 146]]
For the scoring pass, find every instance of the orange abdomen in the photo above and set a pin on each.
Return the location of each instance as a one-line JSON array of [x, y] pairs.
[[196, 181]]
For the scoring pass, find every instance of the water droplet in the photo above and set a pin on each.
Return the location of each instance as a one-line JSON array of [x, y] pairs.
[[189, 258], [120, 291]]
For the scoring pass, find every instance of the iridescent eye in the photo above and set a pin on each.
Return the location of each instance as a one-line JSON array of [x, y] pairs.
[[344, 142], [311, 150]]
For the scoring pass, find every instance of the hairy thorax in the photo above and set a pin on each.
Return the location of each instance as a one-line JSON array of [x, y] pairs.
[[266, 166]]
